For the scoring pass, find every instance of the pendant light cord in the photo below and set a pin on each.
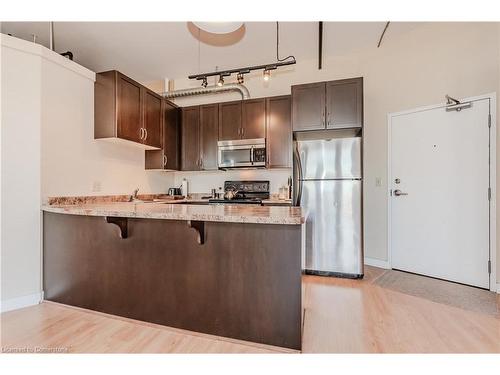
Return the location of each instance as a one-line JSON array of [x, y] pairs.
[[278, 43]]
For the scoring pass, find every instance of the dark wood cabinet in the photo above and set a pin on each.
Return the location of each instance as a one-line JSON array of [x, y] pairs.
[[253, 119], [126, 110], [328, 105], [169, 157], [129, 109], [279, 132], [344, 103], [190, 136], [308, 106], [230, 121], [209, 134], [152, 112]]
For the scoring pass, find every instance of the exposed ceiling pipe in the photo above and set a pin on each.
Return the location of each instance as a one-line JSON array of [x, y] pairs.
[[245, 94]]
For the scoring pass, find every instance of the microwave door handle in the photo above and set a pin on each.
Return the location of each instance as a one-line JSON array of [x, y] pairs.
[[251, 154]]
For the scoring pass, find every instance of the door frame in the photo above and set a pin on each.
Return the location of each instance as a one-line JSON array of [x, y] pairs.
[[493, 168]]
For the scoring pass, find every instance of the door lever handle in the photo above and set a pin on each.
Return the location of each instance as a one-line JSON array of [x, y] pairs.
[[398, 192]]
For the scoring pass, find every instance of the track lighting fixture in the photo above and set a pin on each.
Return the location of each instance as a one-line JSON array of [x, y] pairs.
[[204, 83], [240, 78], [220, 82], [267, 75]]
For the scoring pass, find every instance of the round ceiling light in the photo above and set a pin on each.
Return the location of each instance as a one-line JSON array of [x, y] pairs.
[[218, 27]]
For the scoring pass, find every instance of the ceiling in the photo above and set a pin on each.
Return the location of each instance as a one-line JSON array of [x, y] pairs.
[[151, 51]]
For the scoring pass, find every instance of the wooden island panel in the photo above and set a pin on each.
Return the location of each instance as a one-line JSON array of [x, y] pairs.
[[244, 282]]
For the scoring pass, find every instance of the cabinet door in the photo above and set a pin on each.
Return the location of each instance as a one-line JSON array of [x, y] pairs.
[[279, 132], [171, 136], [190, 146], [229, 121], [209, 134], [308, 106], [129, 113], [254, 119], [152, 118], [344, 103]]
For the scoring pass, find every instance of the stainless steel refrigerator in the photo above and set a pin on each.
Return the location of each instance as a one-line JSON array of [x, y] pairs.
[[328, 186]]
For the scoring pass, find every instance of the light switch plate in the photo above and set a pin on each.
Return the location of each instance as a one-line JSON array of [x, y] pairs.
[[378, 181]]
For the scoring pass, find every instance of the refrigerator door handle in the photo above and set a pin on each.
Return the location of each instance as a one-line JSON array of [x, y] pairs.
[[297, 178]]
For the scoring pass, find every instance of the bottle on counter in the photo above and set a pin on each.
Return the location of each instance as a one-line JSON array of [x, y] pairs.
[[184, 187]]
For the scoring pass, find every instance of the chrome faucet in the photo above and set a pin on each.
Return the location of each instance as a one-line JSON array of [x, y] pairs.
[[133, 197]]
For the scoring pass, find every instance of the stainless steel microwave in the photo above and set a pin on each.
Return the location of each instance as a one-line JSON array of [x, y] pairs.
[[242, 153]]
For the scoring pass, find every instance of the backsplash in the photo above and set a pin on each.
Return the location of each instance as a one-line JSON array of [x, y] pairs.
[[204, 181]]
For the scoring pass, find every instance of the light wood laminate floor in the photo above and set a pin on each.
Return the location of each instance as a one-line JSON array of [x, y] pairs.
[[340, 316]]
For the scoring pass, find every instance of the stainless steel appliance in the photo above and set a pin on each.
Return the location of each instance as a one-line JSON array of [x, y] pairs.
[[242, 153], [328, 185], [243, 192]]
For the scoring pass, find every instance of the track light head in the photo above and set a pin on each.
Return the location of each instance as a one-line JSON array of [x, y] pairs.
[[220, 82], [240, 78], [204, 83], [267, 75]]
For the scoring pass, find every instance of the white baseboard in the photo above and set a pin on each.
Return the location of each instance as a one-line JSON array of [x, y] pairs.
[[377, 263], [20, 302]]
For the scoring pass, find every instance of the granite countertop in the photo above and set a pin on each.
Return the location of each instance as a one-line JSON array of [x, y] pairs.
[[176, 211]]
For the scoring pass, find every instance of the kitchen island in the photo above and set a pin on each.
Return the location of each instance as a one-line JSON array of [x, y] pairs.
[[226, 270]]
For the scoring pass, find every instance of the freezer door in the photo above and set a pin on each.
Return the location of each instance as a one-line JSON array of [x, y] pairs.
[[330, 158], [334, 241]]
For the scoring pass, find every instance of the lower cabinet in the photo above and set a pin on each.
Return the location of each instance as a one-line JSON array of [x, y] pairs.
[[168, 158], [279, 132]]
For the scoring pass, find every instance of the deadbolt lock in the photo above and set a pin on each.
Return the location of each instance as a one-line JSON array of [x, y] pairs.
[[397, 181]]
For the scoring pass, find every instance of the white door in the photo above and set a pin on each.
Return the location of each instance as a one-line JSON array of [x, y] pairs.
[[440, 160]]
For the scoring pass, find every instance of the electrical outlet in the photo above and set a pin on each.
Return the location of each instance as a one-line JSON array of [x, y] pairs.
[[378, 181], [96, 186]]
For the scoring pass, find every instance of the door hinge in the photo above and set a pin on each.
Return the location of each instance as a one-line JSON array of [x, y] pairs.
[[489, 120], [489, 194], [489, 266]]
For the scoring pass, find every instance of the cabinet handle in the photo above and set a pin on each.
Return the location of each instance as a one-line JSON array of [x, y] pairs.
[[201, 163], [165, 160], [140, 134], [145, 133], [242, 132]]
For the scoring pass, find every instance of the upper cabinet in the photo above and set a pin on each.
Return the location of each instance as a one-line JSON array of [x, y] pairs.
[[190, 139], [344, 103], [242, 119], [168, 158], [124, 109], [230, 121], [279, 132], [308, 106], [200, 125], [328, 105], [254, 119], [209, 134]]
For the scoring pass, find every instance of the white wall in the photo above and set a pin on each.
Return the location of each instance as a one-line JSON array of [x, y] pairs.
[[415, 69], [20, 160], [48, 150], [73, 163]]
